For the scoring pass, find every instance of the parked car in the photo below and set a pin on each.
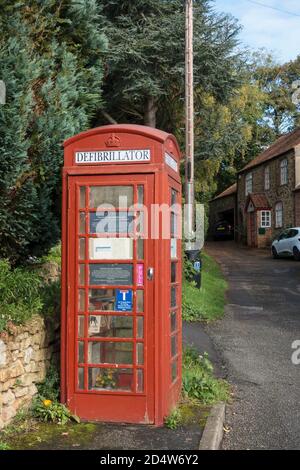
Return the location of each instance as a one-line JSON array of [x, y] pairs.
[[287, 244], [223, 230]]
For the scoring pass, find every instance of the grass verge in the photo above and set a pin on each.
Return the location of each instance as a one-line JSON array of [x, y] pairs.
[[209, 302]]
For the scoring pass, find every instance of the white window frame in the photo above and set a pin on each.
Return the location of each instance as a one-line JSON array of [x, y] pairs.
[[265, 219], [279, 215], [249, 183], [267, 178], [283, 172]]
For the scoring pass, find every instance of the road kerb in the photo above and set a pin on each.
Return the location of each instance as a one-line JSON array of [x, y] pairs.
[[213, 432]]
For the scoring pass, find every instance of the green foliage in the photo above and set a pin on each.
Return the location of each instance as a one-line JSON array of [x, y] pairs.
[[46, 406], [52, 411], [54, 255], [173, 420], [4, 446], [208, 303], [50, 386], [19, 293], [188, 269], [51, 59], [198, 380], [146, 59]]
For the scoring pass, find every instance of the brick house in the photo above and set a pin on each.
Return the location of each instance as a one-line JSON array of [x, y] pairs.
[[268, 193]]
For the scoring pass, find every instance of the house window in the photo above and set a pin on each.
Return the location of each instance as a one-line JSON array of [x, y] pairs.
[[279, 215], [249, 183], [284, 172], [267, 178], [265, 219]]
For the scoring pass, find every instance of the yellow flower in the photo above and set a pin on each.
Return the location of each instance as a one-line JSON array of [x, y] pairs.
[[47, 402]]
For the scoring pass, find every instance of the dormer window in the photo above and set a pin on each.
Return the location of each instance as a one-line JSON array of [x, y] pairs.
[[249, 183], [284, 172]]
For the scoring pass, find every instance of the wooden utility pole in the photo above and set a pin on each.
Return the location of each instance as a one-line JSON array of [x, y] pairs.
[[189, 100]]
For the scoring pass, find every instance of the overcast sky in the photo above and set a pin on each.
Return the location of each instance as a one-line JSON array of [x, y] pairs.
[[263, 27]]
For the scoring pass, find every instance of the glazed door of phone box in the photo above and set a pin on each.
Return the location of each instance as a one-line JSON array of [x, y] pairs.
[[110, 324]]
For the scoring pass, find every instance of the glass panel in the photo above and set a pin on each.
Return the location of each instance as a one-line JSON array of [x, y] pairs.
[[140, 354], [140, 327], [81, 274], [110, 248], [140, 194], [174, 370], [110, 326], [111, 222], [106, 352], [111, 274], [173, 247], [173, 272], [80, 352], [82, 197], [110, 299], [173, 345], [173, 224], [140, 380], [139, 224], [140, 249], [173, 296], [80, 378], [140, 300], [82, 248], [82, 222], [173, 197], [173, 322], [117, 196], [81, 326], [110, 379], [81, 300]]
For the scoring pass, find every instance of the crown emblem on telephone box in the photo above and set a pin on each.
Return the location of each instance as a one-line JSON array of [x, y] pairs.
[[113, 141]]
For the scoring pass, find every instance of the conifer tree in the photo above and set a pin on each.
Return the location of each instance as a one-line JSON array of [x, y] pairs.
[[51, 60]]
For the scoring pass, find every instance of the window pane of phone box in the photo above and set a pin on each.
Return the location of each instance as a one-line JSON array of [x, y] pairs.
[[110, 248], [106, 352], [117, 196], [110, 299], [110, 326], [110, 379], [111, 222]]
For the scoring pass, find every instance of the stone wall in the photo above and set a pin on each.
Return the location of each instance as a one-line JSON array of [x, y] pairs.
[[25, 354], [276, 193]]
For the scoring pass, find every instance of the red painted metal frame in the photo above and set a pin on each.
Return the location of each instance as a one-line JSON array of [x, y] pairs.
[[161, 393]]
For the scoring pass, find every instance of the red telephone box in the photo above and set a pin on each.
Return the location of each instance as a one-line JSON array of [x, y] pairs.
[[121, 274]]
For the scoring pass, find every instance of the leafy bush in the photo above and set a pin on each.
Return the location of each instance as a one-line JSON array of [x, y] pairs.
[[19, 294], [198, 380], [173, 420]]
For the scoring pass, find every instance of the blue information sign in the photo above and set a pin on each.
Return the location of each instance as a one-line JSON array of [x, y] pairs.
[[197, 266], [124, 300]]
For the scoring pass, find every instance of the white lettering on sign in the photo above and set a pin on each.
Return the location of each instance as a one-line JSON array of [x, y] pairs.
[[171, 162], [113, 156]]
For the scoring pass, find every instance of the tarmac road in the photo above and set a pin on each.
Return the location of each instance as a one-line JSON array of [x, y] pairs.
[[254, 340]]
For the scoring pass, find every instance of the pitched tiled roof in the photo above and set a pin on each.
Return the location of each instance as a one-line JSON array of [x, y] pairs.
[[259, 201], [282, 145], [228, 192]]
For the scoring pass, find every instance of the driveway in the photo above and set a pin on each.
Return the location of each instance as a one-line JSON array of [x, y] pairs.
[[254, 340]]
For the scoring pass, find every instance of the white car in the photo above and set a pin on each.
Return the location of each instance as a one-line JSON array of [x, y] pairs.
[[287, 244]]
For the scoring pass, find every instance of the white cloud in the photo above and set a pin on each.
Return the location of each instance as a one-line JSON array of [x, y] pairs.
[[263, 27]]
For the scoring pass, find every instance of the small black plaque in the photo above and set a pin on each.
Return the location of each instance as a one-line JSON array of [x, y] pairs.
[[111, 274]]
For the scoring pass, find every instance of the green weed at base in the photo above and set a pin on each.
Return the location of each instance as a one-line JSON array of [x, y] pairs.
[[198, 380]]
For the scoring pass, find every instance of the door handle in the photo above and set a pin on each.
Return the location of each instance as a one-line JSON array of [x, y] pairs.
[[150, 274]]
